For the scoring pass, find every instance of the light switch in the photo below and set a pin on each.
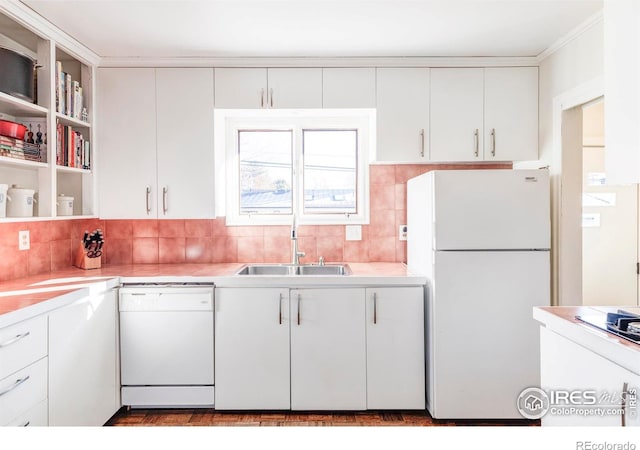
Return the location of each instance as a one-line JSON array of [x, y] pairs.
[[353, 232], [23, 240]]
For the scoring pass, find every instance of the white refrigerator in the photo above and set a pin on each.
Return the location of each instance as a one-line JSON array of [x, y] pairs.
[[482, 238]]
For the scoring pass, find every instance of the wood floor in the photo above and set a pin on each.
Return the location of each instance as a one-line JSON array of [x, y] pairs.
[[210, 417]]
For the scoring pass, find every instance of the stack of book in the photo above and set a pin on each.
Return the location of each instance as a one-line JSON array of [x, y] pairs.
[[72, 149], [15, 148], [69, 99]]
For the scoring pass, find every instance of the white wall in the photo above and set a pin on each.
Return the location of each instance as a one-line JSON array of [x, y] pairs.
[[580, 61]]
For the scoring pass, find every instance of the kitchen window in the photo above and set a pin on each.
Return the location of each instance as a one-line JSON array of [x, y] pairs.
[[313, 164]]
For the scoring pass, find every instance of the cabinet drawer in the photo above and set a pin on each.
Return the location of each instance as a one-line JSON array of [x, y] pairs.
[[22, 344], [35, 417], [23, 390]]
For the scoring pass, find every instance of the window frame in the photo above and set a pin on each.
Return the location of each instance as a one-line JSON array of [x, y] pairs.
[[363, 121]]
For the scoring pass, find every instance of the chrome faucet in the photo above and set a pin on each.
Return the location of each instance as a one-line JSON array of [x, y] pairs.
[[295, 254]]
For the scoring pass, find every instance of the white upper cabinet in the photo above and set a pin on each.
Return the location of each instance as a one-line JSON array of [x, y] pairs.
[[295, 88], [456, 114], [402, 97], [349, 87], [156, 135], [127, 135], [622, 91], [484, 114], [511, 113], [249, 88], [240, 88], [184, 100]]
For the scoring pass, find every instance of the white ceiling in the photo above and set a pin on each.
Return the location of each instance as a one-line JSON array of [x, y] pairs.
[[316, 28]]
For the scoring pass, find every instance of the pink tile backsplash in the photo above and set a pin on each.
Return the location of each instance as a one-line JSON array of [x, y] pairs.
[[54, 242]]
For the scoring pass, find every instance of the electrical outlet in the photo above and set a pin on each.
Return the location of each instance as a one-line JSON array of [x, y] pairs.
[[402, 233], [23, 240], [353, 232]]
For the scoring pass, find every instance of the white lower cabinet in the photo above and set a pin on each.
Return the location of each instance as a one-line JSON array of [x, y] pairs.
[[252, 348], [34, 417], [319, 348], [20, 391], [328, 348], [83, 361], [395, 348], [568, 366]]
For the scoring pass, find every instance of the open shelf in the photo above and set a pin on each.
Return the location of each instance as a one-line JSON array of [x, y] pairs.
[[72, 169], [22, 162], [66, 120], [15, 106]]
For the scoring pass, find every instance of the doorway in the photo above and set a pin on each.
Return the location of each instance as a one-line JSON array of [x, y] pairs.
[[609, 222]]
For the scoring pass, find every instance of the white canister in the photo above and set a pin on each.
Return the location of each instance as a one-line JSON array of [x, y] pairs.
[[3, 199], [19, 202], [65, 205]]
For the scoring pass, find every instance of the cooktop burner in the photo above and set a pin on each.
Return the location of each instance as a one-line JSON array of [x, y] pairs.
[[622, 324]]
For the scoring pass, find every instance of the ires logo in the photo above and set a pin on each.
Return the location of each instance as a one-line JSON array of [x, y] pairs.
[[535, 403]]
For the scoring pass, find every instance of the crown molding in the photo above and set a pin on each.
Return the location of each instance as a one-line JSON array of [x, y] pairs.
[[37, 24], [578, 31], [482, 61]]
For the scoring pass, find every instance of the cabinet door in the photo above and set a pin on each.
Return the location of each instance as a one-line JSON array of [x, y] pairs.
[[252, 348], [457, 114], [295, 88], [83, 362], [511, 113], [349, 87], [328, 363], [402, 98], [395, 348], [567, 366], [240, 88], [185, 143], [127, 135]]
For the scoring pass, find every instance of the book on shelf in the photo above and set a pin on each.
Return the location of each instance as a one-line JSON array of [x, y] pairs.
[[72, 150], [68, 90], [59, 86]]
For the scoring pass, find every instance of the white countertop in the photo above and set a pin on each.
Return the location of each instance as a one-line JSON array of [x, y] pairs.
[[561, 319], [25, 298]]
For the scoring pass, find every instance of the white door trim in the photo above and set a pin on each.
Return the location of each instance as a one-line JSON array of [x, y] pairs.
[[572, 98]]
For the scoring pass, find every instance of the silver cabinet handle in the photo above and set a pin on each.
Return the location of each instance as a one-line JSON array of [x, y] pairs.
[[164, 199], [298, 309], [422, 143], [148, 200], [17, 383], [623, 404], [375, 308], [15, 339], [262, 98], [493, 142], [477, 142], [271, 99], [280, 310]]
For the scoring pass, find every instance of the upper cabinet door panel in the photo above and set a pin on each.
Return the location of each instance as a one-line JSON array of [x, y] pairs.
[[295, 88], [349, 88], [185, 143], [402, 97], [240, 88], [457, 114], [126, 107], [511, 113]]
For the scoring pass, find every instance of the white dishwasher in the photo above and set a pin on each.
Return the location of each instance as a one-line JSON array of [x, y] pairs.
[[166, 345]]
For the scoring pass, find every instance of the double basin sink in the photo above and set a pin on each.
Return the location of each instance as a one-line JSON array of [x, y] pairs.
[[294, 269]]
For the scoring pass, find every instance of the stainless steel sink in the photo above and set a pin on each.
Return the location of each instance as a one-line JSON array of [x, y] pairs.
[[291, 269], [337, 269]]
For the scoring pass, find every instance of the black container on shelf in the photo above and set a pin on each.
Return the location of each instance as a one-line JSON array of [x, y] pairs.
[[17, 74]]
